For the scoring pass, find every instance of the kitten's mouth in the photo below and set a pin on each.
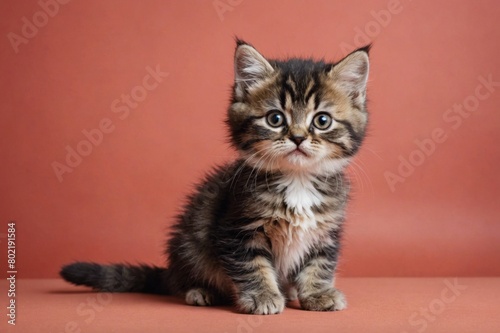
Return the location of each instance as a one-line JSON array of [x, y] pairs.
[[298, 152]]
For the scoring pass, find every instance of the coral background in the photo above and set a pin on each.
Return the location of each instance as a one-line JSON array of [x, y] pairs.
[[440, 217]]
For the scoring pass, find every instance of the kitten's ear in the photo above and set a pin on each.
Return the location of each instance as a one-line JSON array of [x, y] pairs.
[[250, 66], [351, 74]]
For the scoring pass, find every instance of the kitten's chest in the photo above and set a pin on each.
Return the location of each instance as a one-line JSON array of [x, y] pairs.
[[292, 243], [300, 197], [295, 229]]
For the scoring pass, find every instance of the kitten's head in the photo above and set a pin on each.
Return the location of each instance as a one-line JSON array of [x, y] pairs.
[[298, 114]]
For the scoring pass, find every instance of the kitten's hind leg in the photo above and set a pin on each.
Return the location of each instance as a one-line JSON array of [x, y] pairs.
[[200, 297], [292, 293], [207, 296]]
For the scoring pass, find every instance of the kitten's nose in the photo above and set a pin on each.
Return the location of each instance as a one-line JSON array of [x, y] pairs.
[[298, 139]]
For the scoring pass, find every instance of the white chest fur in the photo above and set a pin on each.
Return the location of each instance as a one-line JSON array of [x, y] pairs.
[[300, 196], [293, 233]]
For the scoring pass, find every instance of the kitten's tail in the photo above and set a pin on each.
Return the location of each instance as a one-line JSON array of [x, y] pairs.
[[117, 277]]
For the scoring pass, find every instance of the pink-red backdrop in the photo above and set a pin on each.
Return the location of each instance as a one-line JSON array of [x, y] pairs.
[[434, 124]]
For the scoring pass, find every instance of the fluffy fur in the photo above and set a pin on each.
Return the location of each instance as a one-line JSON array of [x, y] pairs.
[[271, 221]]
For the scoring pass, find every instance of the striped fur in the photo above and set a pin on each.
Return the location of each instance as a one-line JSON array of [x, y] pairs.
[[271, 220]]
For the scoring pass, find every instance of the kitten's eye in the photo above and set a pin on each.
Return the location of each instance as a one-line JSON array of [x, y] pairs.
[[322, 121], [275, 118]]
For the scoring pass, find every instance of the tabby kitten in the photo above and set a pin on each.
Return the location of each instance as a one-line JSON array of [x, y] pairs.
[[268, 224]]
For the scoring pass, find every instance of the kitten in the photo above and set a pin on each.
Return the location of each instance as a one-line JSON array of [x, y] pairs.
[[271, 221]]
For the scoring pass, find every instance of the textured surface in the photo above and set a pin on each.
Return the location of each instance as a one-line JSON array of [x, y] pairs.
[[385, 305], [117, 202]]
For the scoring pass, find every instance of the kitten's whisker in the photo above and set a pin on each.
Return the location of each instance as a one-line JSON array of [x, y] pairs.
[[256, 167], [373, 152], [357, 164], [243, 165], [268, 152]]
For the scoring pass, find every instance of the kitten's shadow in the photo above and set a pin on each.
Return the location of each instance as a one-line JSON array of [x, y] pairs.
[[156, 298], [164, 299]]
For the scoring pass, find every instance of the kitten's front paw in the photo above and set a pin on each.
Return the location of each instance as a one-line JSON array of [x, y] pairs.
[[331, 300], [262, 303]]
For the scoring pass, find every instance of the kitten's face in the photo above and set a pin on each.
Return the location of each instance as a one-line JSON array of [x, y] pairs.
[[298, 114]]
